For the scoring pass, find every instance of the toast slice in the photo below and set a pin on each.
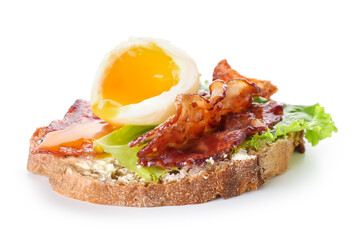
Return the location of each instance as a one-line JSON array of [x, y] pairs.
[[104, 181]]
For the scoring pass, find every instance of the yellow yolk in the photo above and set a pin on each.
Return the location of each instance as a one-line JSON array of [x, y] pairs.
[[137, 74]]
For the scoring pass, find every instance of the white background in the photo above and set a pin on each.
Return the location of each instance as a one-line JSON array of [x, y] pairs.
[[312, 50]]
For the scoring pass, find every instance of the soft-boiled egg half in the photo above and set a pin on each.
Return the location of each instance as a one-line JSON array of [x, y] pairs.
[[138, 81]]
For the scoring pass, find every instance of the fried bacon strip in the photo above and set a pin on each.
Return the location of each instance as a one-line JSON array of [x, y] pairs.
[[198, 120], [234, 128], [79, 113], [223, 71], [197, 115]]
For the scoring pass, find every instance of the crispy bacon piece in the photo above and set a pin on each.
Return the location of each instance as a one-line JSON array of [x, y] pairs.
[[197, 115], [224, 72], [234, 128], [80, 112]]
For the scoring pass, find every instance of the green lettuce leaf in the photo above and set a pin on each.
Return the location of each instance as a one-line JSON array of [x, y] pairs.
[[115, 144], [313, 119]]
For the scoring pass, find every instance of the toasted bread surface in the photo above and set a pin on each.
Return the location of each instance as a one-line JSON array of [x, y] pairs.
[[225, 178]]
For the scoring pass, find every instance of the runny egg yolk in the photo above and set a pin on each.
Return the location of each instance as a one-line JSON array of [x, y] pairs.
[[137, 74]]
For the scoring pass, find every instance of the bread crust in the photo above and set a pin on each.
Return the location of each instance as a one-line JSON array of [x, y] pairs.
[[225, 180]]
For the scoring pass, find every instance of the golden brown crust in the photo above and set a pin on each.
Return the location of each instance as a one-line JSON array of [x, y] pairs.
[[226, 180]]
